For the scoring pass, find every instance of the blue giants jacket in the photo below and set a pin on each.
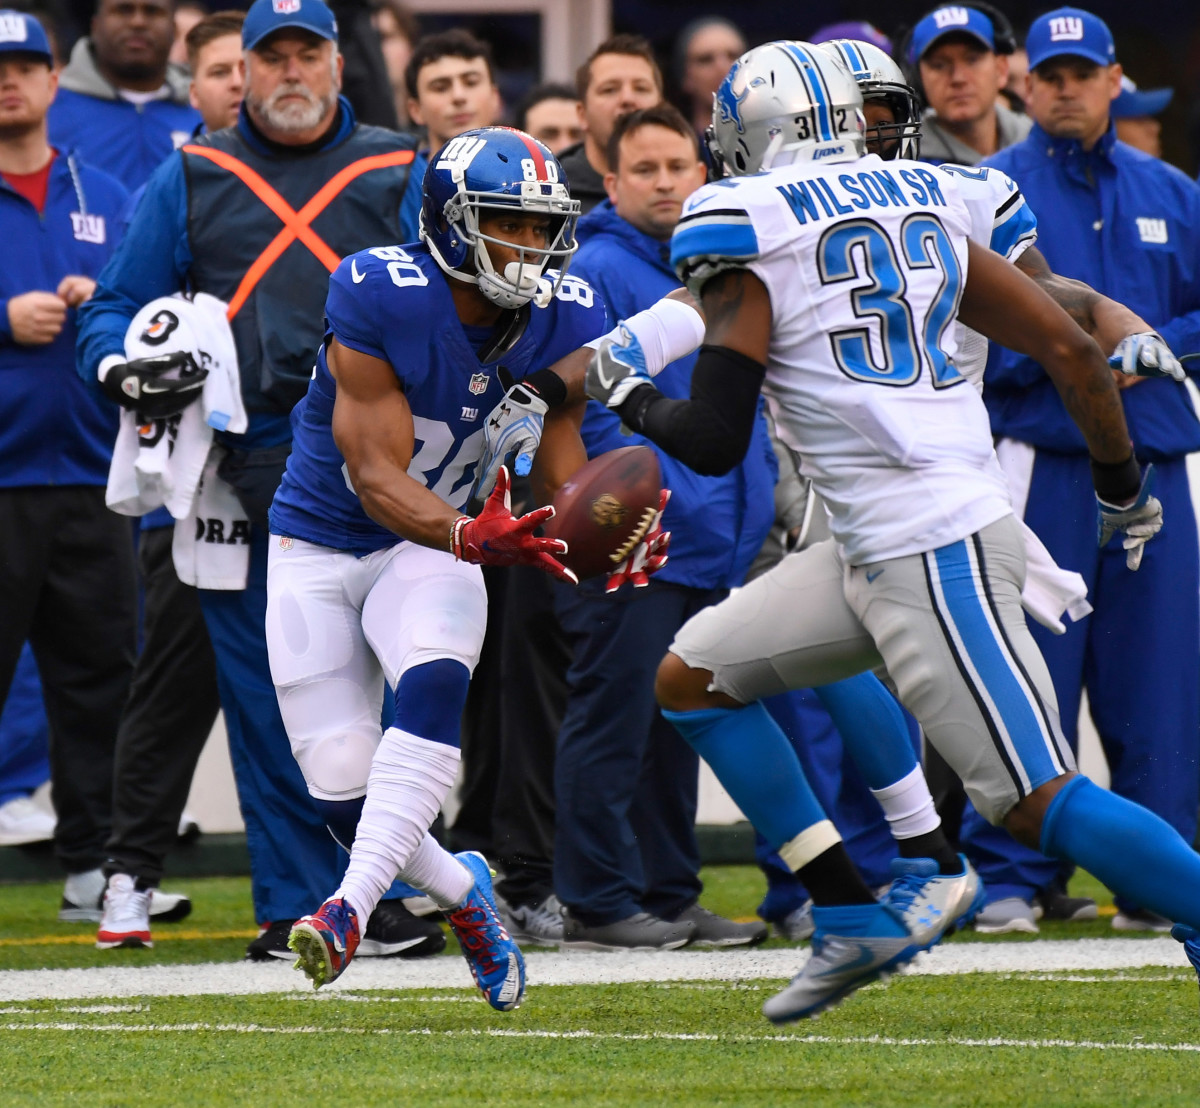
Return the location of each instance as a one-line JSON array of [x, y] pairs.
[[54, 428], [1129, 225], [717, 524]]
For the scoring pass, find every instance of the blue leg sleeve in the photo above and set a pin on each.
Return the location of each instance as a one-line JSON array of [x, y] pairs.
[[430, 699], [1134, 852], [873, 726], [758, 767]]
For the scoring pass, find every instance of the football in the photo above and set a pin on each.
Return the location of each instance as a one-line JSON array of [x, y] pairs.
[[605, 509]]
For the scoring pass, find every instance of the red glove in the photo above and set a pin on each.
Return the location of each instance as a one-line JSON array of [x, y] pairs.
[[498, 538], [649, 556]]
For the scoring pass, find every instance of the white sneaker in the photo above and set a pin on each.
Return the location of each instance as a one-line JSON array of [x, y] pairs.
[[1011, 914], [797, 925], [83, 897], [22, 821], [930, 902], [126, 918]]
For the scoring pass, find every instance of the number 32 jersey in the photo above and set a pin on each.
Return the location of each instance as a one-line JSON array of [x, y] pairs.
[[864, 262], [394, 304]]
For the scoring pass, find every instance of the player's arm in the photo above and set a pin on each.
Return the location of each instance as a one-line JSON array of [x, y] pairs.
[[711, 431], [1002, 303], [373, 428], [561, 452]]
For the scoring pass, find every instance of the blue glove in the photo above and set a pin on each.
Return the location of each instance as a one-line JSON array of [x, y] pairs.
[[1139, 522], [617, 368], [1146, 355], [512, 429]]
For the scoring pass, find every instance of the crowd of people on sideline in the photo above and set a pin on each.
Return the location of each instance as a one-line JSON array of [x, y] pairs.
[[180, 191]]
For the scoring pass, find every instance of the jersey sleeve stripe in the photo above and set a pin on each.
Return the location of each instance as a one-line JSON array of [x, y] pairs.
[[1015, 227]]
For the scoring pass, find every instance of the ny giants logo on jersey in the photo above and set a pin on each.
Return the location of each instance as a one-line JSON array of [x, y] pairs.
[[13, 29], [1066, 28], [951, 17], [1152, 230], [88, 228]]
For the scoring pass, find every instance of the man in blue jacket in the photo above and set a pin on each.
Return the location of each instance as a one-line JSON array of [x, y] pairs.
[[625, 855], [121, 105], [258, 215], [67, 580], [1129, 225]]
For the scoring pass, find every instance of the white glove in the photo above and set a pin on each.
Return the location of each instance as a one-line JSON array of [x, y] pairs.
[[1146, 355], [617, 368], [513, 428], [1139, 522]]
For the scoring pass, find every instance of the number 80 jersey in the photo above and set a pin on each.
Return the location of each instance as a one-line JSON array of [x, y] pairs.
[[864, 262], [393, 303]]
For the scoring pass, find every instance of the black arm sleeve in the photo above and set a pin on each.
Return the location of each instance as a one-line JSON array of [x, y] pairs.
[[710, 432]]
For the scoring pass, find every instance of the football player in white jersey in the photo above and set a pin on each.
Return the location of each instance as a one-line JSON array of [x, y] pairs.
[[831, 281]]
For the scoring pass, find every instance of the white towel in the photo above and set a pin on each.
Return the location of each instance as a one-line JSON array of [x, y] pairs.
[[159, 463], [211, 547]]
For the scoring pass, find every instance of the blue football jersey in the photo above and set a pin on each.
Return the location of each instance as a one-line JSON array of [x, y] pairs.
[[394, 303]]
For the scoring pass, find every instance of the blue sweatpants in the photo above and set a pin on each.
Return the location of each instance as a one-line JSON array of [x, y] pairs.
[[24, 735], [294, 862], [1138, 656]]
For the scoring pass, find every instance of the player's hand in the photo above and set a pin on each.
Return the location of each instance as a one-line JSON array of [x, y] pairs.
[[1146, 355], [514, 428], [144, 387], [496, 537], [75, 289], [1139, 522], [618, 366], [36, 318], [648, 557]]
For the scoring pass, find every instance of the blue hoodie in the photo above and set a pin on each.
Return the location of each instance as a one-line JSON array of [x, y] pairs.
[[717, 524], [1129, 225], [54, 428]]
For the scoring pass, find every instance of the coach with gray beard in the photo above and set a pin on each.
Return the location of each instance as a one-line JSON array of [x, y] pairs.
[[259, 215]]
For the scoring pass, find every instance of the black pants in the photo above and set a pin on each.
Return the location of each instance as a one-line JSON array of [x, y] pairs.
[[171, 708], [67, 585]]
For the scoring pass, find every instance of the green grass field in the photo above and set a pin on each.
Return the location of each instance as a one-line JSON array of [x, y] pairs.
[[1082, 1037]]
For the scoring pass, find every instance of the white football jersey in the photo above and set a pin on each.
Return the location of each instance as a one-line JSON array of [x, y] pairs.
[[1001, 221], [864, 262]]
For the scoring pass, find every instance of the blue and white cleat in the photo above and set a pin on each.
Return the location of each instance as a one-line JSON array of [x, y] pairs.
[[933, 903], [1190, 938], [852, 946], [325, 942], [495, 959]]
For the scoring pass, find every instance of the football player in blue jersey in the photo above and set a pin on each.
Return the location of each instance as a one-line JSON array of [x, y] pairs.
[[374, 567]]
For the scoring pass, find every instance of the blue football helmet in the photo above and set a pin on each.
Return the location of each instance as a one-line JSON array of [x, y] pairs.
[[489, 169]]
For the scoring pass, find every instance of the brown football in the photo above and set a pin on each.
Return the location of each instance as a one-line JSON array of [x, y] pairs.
[[605, 509]]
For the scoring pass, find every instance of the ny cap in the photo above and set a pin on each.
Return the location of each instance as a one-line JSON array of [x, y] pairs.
[[265, 17], [1133, 101], [954, 19], [22, 34], [1070, 32]]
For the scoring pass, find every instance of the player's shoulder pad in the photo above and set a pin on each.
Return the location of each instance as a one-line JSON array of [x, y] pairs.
[[576, 306], [715, 231]]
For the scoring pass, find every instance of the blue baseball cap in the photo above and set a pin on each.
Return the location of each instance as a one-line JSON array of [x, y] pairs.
[[953, 19], [1070, 32], [265, 17], [22, 34], [1132, 101]]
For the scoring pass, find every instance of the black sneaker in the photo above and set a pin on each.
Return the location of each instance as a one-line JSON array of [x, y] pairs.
[[717, 931], [1056, 904], [271, 942], [641, 931], [393, 931]]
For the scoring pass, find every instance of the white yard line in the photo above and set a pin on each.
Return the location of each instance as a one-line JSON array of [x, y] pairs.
[[248, 978]]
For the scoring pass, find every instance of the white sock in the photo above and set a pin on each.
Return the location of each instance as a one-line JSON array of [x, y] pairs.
[[908, 806], [410, 778], [438, 874]]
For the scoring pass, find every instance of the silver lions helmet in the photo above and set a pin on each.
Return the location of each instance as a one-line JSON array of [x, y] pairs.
[[879, 78], [785, 102]]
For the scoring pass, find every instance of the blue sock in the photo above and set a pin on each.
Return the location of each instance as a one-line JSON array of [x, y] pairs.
[[871, 920], [753, 759], [1134, 852], [430, 700], [873, 727]]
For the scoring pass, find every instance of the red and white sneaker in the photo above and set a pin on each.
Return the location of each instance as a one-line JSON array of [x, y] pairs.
[[325, 941], [125, 919]]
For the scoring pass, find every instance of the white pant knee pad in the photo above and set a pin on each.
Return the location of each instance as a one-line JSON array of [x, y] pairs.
[[336, 767]]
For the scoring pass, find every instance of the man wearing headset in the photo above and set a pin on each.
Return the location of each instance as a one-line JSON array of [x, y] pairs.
[[958, 59]]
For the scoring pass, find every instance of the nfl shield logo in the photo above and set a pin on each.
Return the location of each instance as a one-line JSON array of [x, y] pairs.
[[479, 383], [285, 7]]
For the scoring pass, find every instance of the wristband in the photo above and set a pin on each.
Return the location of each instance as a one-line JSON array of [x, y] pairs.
[[548, 386], [456, 536], [1116, 482]]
